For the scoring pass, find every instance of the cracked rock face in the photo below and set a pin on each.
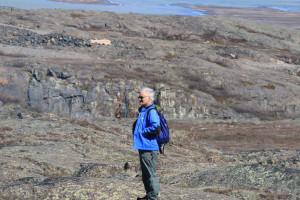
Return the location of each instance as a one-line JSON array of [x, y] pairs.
[[202, 67]]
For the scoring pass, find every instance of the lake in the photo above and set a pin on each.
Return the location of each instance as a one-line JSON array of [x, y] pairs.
[[154, 6]]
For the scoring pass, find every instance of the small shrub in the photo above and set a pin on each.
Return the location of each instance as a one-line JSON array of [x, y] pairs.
[[22, 17], [269, 87], [5, 128], [19, 64], [3, 81], [169, 57], [12, 55], [83, 122], [76, 15], [86, 123], [7, 98]]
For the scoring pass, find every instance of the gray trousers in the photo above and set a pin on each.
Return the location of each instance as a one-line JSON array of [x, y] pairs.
[[148, 160]]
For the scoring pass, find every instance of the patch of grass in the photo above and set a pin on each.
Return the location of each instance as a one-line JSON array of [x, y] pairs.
[[272, 196], [19, 64], [214, 37], [7, 98], [86, 123], [3, 81], [219, 190], [252, 193], [21, 17], [12, 55], [169, 57], [248, 83], [48, 169], [269, 87], [77, 15], [91, 27], [288, 57], [196, 82], [5, 128]]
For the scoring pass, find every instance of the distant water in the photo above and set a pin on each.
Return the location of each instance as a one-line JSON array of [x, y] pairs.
[[155, 6]]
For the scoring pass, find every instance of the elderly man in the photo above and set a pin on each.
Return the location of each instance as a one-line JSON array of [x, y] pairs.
[[145, 129]]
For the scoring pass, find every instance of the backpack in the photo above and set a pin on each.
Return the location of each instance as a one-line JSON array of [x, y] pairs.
[[163, 137]]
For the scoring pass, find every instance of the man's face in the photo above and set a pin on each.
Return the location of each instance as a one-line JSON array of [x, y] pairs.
[[144, 99]]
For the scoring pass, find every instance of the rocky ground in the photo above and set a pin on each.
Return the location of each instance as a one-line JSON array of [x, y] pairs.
[[264, 14], [203, 67], [68, 87], [64, 158]]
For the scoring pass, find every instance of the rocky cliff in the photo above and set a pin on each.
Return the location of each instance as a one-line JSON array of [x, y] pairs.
[[200, 66]]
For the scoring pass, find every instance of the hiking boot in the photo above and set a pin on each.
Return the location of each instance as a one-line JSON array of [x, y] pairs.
[[147, 198], [143, 198]]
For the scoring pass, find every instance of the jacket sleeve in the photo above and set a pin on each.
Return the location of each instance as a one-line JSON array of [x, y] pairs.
[[153, 123], [133, 126]]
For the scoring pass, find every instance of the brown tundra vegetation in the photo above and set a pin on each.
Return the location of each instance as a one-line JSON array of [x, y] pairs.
[[230, 88]]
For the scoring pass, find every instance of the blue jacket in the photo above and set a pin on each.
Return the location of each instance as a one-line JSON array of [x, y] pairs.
[[145, 129]]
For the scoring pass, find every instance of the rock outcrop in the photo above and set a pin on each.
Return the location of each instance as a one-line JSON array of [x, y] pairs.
[[200, 66], [67, 104]]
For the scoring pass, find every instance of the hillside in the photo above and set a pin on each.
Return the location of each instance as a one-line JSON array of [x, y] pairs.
[[201, 66], [68, 97]]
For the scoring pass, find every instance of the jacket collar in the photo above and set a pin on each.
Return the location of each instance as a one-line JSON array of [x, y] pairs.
[[141, 109]]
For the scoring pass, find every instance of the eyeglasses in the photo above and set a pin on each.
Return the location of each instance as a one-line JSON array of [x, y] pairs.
[[140, 97]]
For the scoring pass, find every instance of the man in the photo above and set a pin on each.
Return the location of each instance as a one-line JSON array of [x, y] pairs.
[[145, 129]]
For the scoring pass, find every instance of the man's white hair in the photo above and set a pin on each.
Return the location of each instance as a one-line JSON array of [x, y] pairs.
[[150, 92]]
